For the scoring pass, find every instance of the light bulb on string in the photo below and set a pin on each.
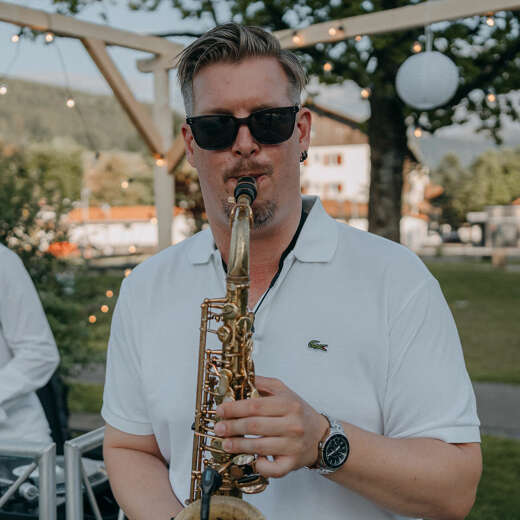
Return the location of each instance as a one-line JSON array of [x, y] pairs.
[[92, 319], [327, 67], [70, 102], [490, 20], [365, 93], [159, 160], [15, 38], [109, 293], [124, 184], [416, 47], [417, 132], [297, 39], [3, 90], [49, 37], [333, 31], [491, 97], [104, 308], [358, 37]]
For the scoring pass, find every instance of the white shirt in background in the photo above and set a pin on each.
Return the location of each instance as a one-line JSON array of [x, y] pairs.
[[28, 354]]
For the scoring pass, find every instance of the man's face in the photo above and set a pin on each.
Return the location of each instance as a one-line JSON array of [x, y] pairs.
[[238, 89]]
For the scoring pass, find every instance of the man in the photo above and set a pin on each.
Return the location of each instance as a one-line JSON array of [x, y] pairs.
[[347, 324], [28, 354]]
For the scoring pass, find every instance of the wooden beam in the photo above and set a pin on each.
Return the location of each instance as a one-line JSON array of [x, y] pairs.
[[393, 20], [137, 113], [73, 28], [175, 154]]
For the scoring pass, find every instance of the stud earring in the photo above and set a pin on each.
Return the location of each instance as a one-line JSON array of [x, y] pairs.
[[303, 156]]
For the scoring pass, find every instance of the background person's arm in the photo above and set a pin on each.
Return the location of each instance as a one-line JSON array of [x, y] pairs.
[[139, 476], [25, 329]]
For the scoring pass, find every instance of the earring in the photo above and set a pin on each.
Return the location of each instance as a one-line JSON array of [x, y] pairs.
[[303, 155]]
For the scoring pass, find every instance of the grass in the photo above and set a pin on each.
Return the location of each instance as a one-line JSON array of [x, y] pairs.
[[497, 495], [85, 397], [486, 305]]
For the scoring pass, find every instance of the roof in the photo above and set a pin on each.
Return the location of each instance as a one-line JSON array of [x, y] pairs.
[[117, 214]]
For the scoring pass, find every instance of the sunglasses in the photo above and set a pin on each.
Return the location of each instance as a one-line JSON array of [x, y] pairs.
[[268, 126]]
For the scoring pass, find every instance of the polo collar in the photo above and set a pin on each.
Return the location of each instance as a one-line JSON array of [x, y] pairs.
[[317, 241]]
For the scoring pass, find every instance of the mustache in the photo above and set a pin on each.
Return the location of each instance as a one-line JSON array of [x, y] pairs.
[[249, 168]]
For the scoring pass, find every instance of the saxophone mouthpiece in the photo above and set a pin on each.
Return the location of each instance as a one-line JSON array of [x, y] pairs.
[[246, 186]]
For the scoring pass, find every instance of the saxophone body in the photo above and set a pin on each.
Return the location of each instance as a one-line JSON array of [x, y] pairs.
[[225, 373]]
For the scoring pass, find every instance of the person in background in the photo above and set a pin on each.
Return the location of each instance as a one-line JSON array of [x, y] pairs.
[[28, 354]]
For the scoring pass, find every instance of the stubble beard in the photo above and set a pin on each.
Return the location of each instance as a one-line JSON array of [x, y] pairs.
[[263, 211]]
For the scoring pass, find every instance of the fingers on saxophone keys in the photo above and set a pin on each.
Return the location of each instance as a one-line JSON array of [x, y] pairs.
[[261, 446], [266, 406], [272, 426]]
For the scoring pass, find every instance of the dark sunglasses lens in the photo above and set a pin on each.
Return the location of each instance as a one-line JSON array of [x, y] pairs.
[[273, 126], [214, 132]]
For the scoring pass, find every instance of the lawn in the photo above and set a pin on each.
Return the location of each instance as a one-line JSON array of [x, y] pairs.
[[486, 305], [497, 496]]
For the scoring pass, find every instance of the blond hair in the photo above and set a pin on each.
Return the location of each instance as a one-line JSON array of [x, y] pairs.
[[233, 43]]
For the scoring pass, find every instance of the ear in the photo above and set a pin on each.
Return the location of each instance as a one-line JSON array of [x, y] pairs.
[[303, 124], [189, 143]]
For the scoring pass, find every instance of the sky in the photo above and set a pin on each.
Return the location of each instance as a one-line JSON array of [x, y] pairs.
[[37, 61]]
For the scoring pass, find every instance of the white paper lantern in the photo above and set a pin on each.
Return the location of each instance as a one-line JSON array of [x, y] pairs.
[[427, 80]]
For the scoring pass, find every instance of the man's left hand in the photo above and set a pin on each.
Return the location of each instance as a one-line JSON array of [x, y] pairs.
[[289, 428]]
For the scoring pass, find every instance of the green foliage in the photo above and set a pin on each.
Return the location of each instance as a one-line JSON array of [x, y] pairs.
[[31, 206], [493, 179]]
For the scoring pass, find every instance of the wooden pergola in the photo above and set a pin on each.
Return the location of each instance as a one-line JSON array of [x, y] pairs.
[[157, 131]]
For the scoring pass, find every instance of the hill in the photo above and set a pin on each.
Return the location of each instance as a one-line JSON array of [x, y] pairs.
[[36, 112]]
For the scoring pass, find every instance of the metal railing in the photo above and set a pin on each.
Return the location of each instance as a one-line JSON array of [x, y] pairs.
[[44, 458], [76, 475]]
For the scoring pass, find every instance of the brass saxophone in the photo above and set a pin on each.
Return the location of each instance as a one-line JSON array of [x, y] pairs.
[[225, 373]]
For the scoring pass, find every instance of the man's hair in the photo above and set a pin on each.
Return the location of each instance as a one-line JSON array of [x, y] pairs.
[[232, 43]]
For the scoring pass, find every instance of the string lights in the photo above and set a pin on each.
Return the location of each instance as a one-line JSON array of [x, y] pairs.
[[327, 67], [159, 160], [491, 97], [70, 102], [49, 37], [417, 132], [297, 38], [358, 37], [15, 38], [490, 19], [3, 89], [417, 47], [109, 293], [365, 93]]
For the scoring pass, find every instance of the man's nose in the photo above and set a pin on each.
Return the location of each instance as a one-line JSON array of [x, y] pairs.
[[245, 144]]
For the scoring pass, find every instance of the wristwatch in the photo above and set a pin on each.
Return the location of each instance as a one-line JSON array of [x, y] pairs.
[[333, 449]]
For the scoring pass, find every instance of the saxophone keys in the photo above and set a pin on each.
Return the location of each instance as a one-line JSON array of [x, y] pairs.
[[243, 459]]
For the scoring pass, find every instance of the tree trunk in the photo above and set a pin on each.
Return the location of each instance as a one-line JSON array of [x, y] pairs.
[[388, 149]]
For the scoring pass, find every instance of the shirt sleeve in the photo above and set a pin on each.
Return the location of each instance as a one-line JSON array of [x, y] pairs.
[[429, 393], [124, 405], [32, 351]]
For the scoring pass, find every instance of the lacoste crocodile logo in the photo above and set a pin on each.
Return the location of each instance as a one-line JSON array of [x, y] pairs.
[[316, 345]]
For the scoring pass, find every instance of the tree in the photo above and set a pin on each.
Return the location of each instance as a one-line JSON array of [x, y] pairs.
[[493, 179], [487, 58], [31, 206]]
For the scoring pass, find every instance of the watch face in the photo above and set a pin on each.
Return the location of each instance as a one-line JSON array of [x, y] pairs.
[[335, 451]]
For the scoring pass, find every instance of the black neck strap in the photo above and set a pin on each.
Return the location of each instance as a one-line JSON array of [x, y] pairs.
[[305, 212]]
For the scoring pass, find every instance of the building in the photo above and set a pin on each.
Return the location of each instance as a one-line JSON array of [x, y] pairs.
[[338, 171], [121, 230]]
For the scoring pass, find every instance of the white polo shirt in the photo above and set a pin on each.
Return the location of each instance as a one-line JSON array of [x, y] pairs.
[[28, 354], [393, 364]]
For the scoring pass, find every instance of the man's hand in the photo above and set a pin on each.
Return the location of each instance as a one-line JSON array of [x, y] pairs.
[[289, 428]]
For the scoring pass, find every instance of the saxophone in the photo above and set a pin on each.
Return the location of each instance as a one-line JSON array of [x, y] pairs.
[[225, 373]]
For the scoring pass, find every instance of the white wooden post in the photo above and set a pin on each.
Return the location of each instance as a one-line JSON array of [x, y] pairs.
[[164, 185]]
